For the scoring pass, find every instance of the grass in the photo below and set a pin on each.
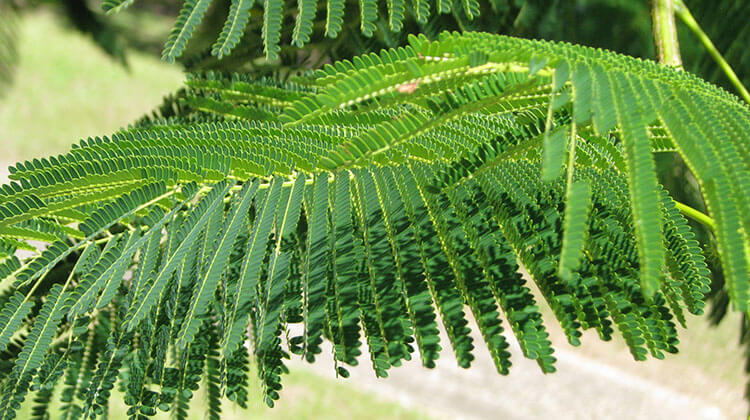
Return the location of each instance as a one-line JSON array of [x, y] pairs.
[[305, 396], [66, 89]]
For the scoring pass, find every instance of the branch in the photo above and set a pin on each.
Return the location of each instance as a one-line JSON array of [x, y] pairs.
[[665, 33], [687, 18], [696, 215]]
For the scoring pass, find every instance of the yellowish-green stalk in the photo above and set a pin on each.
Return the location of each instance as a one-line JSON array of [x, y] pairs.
[[696, 215], [687, 18]]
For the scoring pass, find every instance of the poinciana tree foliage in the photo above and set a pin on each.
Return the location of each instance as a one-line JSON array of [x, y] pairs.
[[369, 201]]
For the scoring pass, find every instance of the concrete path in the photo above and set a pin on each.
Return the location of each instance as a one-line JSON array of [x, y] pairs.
[[581, 389]]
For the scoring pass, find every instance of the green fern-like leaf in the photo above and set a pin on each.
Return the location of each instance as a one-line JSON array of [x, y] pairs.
[[32, 353], [14, 312], [576, 213], [234, 27], [335, 17], [303, 25], [368, 13], [245, 293], [217, 264], [115, 6], [146, 298], [272, 16], [396, 15], [190, 17]]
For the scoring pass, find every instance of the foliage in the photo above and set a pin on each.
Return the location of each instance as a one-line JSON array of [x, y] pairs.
[[273, 13], [368, 200], [355, 224], [240, 28]]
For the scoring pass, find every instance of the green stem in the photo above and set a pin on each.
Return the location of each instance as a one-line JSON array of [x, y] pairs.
[[696, 215], [665, 33], [687, 18]]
